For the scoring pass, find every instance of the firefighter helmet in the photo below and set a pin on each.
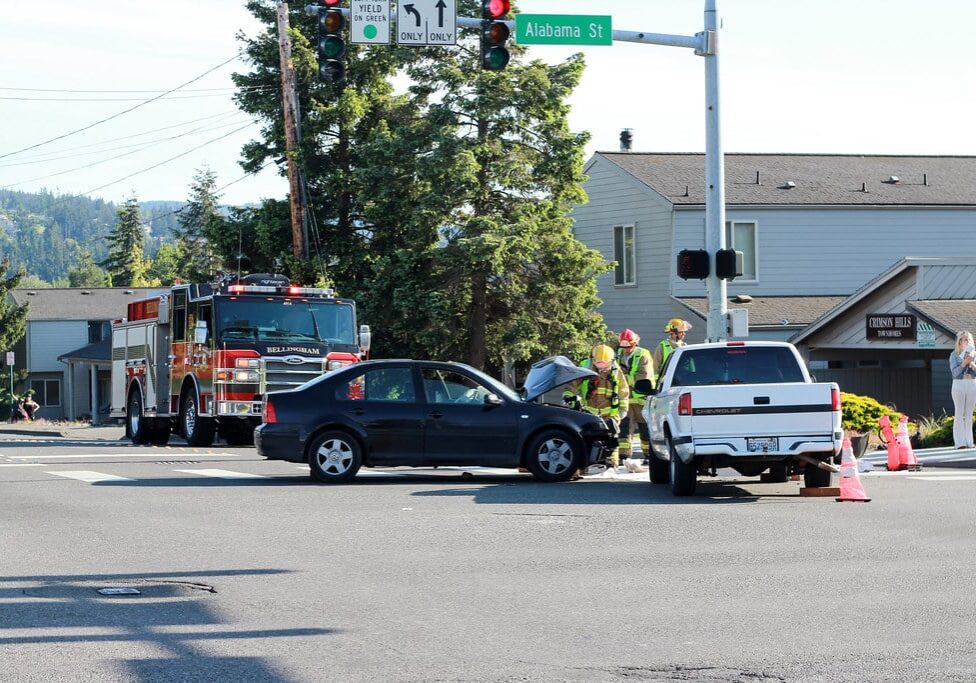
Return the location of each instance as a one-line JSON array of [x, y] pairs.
[[628, 339], [602, 357], [677, 325]]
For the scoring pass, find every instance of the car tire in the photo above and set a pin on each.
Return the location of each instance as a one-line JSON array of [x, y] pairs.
[[684, 476], [659, 470], [138, 426], [334, 457], [778, 473], [198, 431], [814, 477], [553, 455], [161, 431]]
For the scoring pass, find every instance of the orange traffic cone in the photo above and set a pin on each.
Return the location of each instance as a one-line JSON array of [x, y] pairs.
[[851, 488], [894, 461], [906, 455]]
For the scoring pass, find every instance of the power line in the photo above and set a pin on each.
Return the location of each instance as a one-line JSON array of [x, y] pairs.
[[124, 111], [130, 99], [125, 91], [222, 187]]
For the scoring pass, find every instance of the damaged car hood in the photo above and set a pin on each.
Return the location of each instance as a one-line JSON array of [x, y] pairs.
[[551, 373]]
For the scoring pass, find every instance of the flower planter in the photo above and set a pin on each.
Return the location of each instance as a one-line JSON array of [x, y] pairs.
[[859, 444]]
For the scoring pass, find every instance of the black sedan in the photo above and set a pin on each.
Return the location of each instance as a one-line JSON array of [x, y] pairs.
[[426, 413]]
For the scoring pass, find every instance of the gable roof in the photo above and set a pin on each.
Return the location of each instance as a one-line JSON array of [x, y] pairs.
[[772, 311], [954, 315], [820, 179], [99, 352], [91, 303]]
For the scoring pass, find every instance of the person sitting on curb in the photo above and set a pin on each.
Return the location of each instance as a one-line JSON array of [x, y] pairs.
[[30, 405]]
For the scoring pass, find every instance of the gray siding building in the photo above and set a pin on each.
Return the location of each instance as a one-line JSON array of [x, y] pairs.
[[814, 231]]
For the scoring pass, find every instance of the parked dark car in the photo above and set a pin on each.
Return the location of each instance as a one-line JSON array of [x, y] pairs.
[[426, 413]]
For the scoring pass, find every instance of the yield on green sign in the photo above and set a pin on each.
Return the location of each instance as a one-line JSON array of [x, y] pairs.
[[562, 29]]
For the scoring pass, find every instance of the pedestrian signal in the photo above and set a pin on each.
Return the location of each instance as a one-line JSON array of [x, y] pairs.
[[728, 264], [693, 264]]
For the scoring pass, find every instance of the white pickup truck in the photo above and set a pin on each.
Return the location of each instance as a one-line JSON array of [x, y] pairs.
[[751, 406]]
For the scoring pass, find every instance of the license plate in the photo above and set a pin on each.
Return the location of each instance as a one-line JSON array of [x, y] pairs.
[[762, 444]]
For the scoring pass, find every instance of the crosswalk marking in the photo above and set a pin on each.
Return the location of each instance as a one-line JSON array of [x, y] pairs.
[[88, 476], [156, 455], [224, 474]]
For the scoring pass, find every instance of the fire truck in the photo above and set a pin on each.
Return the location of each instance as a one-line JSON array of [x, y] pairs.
[[198, 358]]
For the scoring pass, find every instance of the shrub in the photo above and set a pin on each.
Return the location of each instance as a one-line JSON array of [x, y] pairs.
[[936, 431], [860, 414]]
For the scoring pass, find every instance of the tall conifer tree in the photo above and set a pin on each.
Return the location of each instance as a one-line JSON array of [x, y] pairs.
[[126, 263]]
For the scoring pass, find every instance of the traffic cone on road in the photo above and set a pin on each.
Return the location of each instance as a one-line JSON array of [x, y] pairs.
[[851, 488], [894, 461], [906, 455]]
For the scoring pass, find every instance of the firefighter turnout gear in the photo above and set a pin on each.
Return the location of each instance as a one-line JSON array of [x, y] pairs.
[[606, 395], [636, 364], [676, 329]]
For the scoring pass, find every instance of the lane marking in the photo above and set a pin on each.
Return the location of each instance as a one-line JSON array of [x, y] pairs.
[[224, 474], [157, 456], [22, 464], [88, 476], [970, 477]]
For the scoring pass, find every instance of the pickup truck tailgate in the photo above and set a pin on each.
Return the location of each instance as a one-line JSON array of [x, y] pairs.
[[761, 410]]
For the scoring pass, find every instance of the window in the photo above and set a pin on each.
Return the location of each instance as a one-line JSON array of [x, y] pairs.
[[47, 392], [737, 365], [179, 316], [446, 386], [625, 254], [743, 236], [389, 385], [98, 330]]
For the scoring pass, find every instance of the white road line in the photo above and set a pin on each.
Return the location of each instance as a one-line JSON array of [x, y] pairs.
[[89, 476], [22, 464], [224, 474], [970, 477], [163, 454]]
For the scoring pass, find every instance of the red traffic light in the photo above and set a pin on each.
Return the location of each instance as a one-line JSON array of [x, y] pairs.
[[331, 3], [498, 33], [493, 9]]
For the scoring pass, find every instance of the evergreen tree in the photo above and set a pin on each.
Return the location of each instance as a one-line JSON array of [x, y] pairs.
[[125, 263], [86, 273], [165, 266], [13, 318], [200, 224]]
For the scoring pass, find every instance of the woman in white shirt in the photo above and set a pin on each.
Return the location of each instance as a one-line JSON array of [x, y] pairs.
[[962, 365]]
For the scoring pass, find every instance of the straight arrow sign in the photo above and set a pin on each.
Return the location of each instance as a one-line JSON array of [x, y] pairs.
[[427, 22]]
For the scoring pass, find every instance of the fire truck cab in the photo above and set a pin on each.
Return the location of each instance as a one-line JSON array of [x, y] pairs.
[[198, 358]]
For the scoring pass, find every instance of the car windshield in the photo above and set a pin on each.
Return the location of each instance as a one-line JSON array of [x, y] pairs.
[[285, 320], [496, 386], [737, 365]]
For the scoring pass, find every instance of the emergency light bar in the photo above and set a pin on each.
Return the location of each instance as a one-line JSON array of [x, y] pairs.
[[290, 290]]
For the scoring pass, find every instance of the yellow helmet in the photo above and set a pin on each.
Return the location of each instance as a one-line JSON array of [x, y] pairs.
[[677, 325], [602, 357]]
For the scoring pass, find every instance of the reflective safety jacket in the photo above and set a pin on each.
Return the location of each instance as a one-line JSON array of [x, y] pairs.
[[604, 396], [664, 350], [639, 365]]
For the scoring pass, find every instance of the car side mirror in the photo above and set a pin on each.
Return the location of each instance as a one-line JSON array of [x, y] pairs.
[[493, 400], [365, 338], [200, 332], [644, 386]]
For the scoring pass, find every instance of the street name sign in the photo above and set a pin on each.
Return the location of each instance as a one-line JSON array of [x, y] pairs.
[[369, 22], [427, 22], [563, 29]]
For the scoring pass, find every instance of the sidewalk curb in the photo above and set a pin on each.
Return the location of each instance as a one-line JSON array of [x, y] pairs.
[[31, 432]]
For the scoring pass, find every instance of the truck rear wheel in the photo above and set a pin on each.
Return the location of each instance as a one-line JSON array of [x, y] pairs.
[[198, 431], [814, 477], [778, 473], [684, 476], [161, 431], [137, 425], [660, 470]]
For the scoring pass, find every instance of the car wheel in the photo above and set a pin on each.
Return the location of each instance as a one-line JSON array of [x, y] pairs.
[[778, 473], [684, 476], [137, 424], [814, 477], [161, 431], [659, 470], [553, 456], [334, 457], [198, 431]]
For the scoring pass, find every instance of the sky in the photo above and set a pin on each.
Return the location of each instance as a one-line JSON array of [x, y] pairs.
[[832, 76]]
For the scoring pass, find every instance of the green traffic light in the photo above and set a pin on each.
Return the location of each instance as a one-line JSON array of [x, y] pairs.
[[331, 47], [496, 59]]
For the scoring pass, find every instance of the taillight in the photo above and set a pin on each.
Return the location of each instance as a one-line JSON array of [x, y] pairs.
[[684, 404], [268, 412], [834, 398]]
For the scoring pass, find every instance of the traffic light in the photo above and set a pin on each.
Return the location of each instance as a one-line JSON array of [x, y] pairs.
[[494, 33], [331, 46], [728, 264], [693, 264]]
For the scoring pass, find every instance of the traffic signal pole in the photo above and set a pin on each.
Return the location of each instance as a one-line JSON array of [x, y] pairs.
[[289, 106]]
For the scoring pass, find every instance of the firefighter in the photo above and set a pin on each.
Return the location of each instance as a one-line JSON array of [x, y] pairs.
[[604, 394], [636, 364], [676, 329]]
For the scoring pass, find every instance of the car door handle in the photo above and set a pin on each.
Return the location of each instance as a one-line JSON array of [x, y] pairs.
[[436, 414], [760, 400]]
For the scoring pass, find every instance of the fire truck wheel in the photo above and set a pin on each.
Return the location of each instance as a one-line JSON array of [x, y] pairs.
[[137, 425], [237, 434], [334, 457], [161, 431], [198, 431]]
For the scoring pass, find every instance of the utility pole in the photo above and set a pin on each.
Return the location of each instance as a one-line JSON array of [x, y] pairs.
[[291, 137]]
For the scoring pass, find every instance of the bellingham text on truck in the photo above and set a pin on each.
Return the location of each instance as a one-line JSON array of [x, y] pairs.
[[198, 358], [747, 405]]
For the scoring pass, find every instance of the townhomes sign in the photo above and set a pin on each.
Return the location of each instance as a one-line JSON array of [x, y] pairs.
[[891, 326]]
